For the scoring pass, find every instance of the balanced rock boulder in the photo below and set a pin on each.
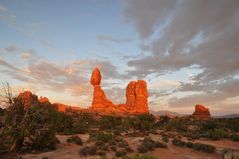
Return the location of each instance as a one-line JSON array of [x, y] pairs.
[[201, 112], [100, 102], [95, 77]]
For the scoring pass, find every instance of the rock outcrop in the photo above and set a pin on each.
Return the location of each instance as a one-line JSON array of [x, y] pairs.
[[201, 112], [27, 99], [44, 100], [136, 97]]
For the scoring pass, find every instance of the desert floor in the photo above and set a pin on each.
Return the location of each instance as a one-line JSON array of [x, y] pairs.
[[71, 151]]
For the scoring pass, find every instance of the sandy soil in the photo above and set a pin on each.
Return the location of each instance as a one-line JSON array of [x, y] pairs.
[[70, 151]]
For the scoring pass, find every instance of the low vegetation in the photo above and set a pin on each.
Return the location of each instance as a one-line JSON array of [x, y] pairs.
[[195, 146]]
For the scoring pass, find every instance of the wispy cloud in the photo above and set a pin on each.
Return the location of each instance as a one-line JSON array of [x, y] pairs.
[[106, 38]]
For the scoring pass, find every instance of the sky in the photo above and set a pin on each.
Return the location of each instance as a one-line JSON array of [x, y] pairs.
[[187, 51]]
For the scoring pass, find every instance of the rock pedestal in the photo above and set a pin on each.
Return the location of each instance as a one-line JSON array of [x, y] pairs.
[[100, 103], [201, 112]]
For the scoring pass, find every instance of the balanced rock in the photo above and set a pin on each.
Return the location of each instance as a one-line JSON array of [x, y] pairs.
[[95, 77], [100, 102], [201, 112]]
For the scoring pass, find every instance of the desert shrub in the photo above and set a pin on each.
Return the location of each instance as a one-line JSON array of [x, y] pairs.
[[64, 124], [217, 134], [178, 142], [128, 149], [123, 143], [235, 137], [112, 142], [109, 122], [120, 153], [141, 156], [113, 148], [99, 143], [195, 146], [40, 128], [101, 153], [165, 139], [148, 144], [142, 149], [160, 145], [88, 150], [144, 122], [189, 144], [75, 139], [204, 148], [105, 137], [117, 133]]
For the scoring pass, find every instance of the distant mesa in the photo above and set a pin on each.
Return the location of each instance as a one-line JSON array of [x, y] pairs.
[[136, 97], [201, 112]]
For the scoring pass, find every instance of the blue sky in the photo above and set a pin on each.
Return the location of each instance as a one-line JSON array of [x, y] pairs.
[[186, 56]]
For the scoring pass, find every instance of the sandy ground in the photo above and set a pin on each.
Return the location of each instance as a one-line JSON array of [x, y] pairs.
[[70, 151]]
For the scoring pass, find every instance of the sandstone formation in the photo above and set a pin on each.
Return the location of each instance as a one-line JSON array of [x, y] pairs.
[[60, 107], [100, 102], [136, 97], [44, 100], [201, 112], [27, 99]]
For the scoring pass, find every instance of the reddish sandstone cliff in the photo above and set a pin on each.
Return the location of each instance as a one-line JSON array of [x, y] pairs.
[[201, 112]]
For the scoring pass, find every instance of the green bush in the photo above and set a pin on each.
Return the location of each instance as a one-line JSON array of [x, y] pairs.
[[121, 153], [148, 144], [178, 142], [217, 134], [88, 150], [99, 143], [195, 146], [110, 122], [113, 148], [235, 137], [142, 149], [105, 137], [101, 153], [165, 139], [204, 148], [75, 139]]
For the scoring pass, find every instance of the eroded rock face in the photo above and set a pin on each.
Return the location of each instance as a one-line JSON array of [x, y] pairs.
[[137, 97], [27, 99], [201, 112]]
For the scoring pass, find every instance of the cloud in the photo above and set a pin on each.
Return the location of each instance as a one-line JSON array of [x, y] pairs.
[[106, 38], [71, 78], [179, 34], [6, 15]]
